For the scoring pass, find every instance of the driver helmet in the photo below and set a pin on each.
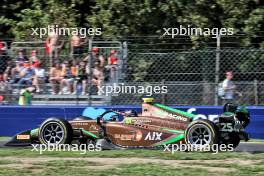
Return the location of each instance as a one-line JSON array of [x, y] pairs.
[[131, 113]]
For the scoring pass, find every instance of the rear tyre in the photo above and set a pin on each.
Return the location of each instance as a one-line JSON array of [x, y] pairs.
[[55, 131], [233, 140], [201, 134]]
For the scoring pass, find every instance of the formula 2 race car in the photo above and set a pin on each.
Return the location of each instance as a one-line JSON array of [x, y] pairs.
[[156, 126]]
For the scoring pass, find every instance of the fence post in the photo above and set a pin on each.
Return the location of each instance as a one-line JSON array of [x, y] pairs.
[[90, 72], [217, 65], [163, 95], [256, 91], [122, 71]]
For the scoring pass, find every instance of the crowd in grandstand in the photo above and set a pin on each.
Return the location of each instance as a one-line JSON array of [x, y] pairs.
[[66, 76]]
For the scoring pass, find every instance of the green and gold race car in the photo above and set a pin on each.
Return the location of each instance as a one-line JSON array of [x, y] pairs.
[[155, 126]]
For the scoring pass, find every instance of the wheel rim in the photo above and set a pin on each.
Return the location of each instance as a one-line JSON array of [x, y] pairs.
[[199, 135], [53, 133]]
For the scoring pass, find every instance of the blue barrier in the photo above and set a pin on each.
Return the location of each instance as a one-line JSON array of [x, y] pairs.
[[14, 119]]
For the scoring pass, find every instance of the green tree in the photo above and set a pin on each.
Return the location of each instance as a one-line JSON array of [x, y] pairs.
[[37, 14]]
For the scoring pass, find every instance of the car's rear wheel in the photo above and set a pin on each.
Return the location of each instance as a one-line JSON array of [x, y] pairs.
[[55, 131], [233, 140], [201, 133]]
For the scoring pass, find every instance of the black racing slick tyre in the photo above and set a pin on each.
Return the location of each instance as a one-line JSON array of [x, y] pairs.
[[233, 140], [201, 133], [55, 131]]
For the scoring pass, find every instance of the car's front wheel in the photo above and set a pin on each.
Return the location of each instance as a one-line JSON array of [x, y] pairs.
[[55, 131]]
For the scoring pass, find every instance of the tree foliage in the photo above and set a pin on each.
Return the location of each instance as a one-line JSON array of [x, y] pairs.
[[134, 18]]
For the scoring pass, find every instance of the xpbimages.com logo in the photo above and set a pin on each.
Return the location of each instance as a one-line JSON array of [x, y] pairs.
[[214, 148], [66, 31], [189, 31], [115, 89], [83, 148]]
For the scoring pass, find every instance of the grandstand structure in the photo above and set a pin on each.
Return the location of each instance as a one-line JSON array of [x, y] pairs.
[[45, 97]]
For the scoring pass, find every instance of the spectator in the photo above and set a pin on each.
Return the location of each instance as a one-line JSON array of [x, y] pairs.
[[55, 77], [26, 96], [8, 71], [112, 59], [33, 59], [2, 85], [27, 75], [21, 57], [228, 88], [5, 90], [53, 46], [2, 46], [98, 74], [68, 79], [81, 78], [112, 64], [96, 57], [77, 46], [15, 72], [3, 58], [74, 67], [39, 78]]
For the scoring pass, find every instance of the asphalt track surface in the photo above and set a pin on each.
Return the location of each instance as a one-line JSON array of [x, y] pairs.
[[252, 147]]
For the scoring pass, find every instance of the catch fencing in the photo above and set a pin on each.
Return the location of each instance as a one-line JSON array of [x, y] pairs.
[[191, 76]]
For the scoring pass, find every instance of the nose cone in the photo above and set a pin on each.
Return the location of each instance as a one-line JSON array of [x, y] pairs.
[[21, 139]]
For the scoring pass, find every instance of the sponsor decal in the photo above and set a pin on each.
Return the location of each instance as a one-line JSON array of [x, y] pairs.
[[153, 136], [174, 116], [93, 128], [160, 113], [80, 123], [163, 114], [211, 117], [134, 136], [125, 137], [23, 136], [141, 121], [128, 120], [138, 135]]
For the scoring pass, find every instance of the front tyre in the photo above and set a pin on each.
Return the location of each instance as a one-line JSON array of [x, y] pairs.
[[55, 131], [201, 133]]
